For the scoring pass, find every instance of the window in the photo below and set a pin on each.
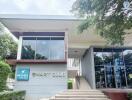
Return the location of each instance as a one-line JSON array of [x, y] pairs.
[[44, 48], [28, 48], [113, 67], [127, 53], [57, 48]]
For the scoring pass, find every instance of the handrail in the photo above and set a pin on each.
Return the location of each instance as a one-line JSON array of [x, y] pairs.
[[78, 81]]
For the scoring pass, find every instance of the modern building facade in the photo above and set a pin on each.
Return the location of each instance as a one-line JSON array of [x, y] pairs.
[[41, 67], [45, 43]]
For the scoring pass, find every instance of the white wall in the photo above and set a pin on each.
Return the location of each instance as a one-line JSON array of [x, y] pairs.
[[87, 63], [41, 87]]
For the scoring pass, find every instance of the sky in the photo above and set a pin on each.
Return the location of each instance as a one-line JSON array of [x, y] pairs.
[[37, 7]]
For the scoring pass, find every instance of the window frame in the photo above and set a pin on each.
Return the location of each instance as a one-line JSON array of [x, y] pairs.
[[49, 48]]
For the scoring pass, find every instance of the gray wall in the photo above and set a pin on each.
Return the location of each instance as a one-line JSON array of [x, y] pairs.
[[87, 64], [39, 87]]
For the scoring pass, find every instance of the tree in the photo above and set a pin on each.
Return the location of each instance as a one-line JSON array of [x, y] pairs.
[[8, 48], [107, 16]]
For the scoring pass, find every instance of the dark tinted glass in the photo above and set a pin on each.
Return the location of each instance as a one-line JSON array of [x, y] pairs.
[[57, 47], [42, 48], [127, 53], [28, 48], [113, 66], [45, 48]]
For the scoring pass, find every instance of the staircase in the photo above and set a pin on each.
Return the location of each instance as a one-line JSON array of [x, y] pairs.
[[80, 95]]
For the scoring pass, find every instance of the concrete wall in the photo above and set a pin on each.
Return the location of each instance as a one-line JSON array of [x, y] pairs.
[[87, 64], [19, 48], [40, 87]]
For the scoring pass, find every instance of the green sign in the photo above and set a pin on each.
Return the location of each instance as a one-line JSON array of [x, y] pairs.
[[23, 74]]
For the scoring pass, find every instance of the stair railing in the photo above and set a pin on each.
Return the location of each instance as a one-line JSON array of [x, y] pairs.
[[78, 81]]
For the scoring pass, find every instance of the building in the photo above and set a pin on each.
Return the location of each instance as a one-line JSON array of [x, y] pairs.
[[47, 42], [108, 67]]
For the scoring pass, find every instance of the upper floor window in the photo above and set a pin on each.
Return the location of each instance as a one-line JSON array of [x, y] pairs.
[[28, 48], [44, 48]]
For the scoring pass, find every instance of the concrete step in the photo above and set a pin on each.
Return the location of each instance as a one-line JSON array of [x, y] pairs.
[[81, 93], [90, 90], [80, 96], [80, 99]]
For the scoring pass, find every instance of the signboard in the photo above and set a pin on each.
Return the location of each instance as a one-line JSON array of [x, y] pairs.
[[49, 74], [23, 74]]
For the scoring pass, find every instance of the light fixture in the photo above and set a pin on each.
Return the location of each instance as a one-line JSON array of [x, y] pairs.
[[126, 5]]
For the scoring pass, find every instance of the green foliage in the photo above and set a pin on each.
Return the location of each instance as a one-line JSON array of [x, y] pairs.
[[108, 17], [12, 95], [129, 95], [4, 72], [8, 48], [70, 84], [12, 75]]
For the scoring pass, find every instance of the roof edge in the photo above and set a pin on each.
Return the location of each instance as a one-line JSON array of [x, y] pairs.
[[44, 17]]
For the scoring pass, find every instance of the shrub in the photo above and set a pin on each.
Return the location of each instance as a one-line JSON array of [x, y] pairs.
[[4, 72], [70, 85], [12, 95], [129, 96]]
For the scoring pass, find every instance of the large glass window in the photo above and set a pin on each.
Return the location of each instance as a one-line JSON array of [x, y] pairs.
[[57, 48], [28, 48], [99, 68], [108, 65], [113, 67], [127, 53], [98, 58], [44, 48]]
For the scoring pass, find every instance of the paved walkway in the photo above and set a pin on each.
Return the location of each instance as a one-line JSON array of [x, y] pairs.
[[84, 84]]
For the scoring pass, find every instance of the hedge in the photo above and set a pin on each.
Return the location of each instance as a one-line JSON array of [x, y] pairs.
[[4, 72], [129, 96], [12, 95]]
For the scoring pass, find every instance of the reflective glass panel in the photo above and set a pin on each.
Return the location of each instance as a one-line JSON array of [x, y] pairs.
[[42, 48], [98, 59], [127, 53], [99, 68], [107, 55], [109, 68], [57, 47], [119, 68], [28, 48], [100, 76], [129, 75], [114, 67]]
